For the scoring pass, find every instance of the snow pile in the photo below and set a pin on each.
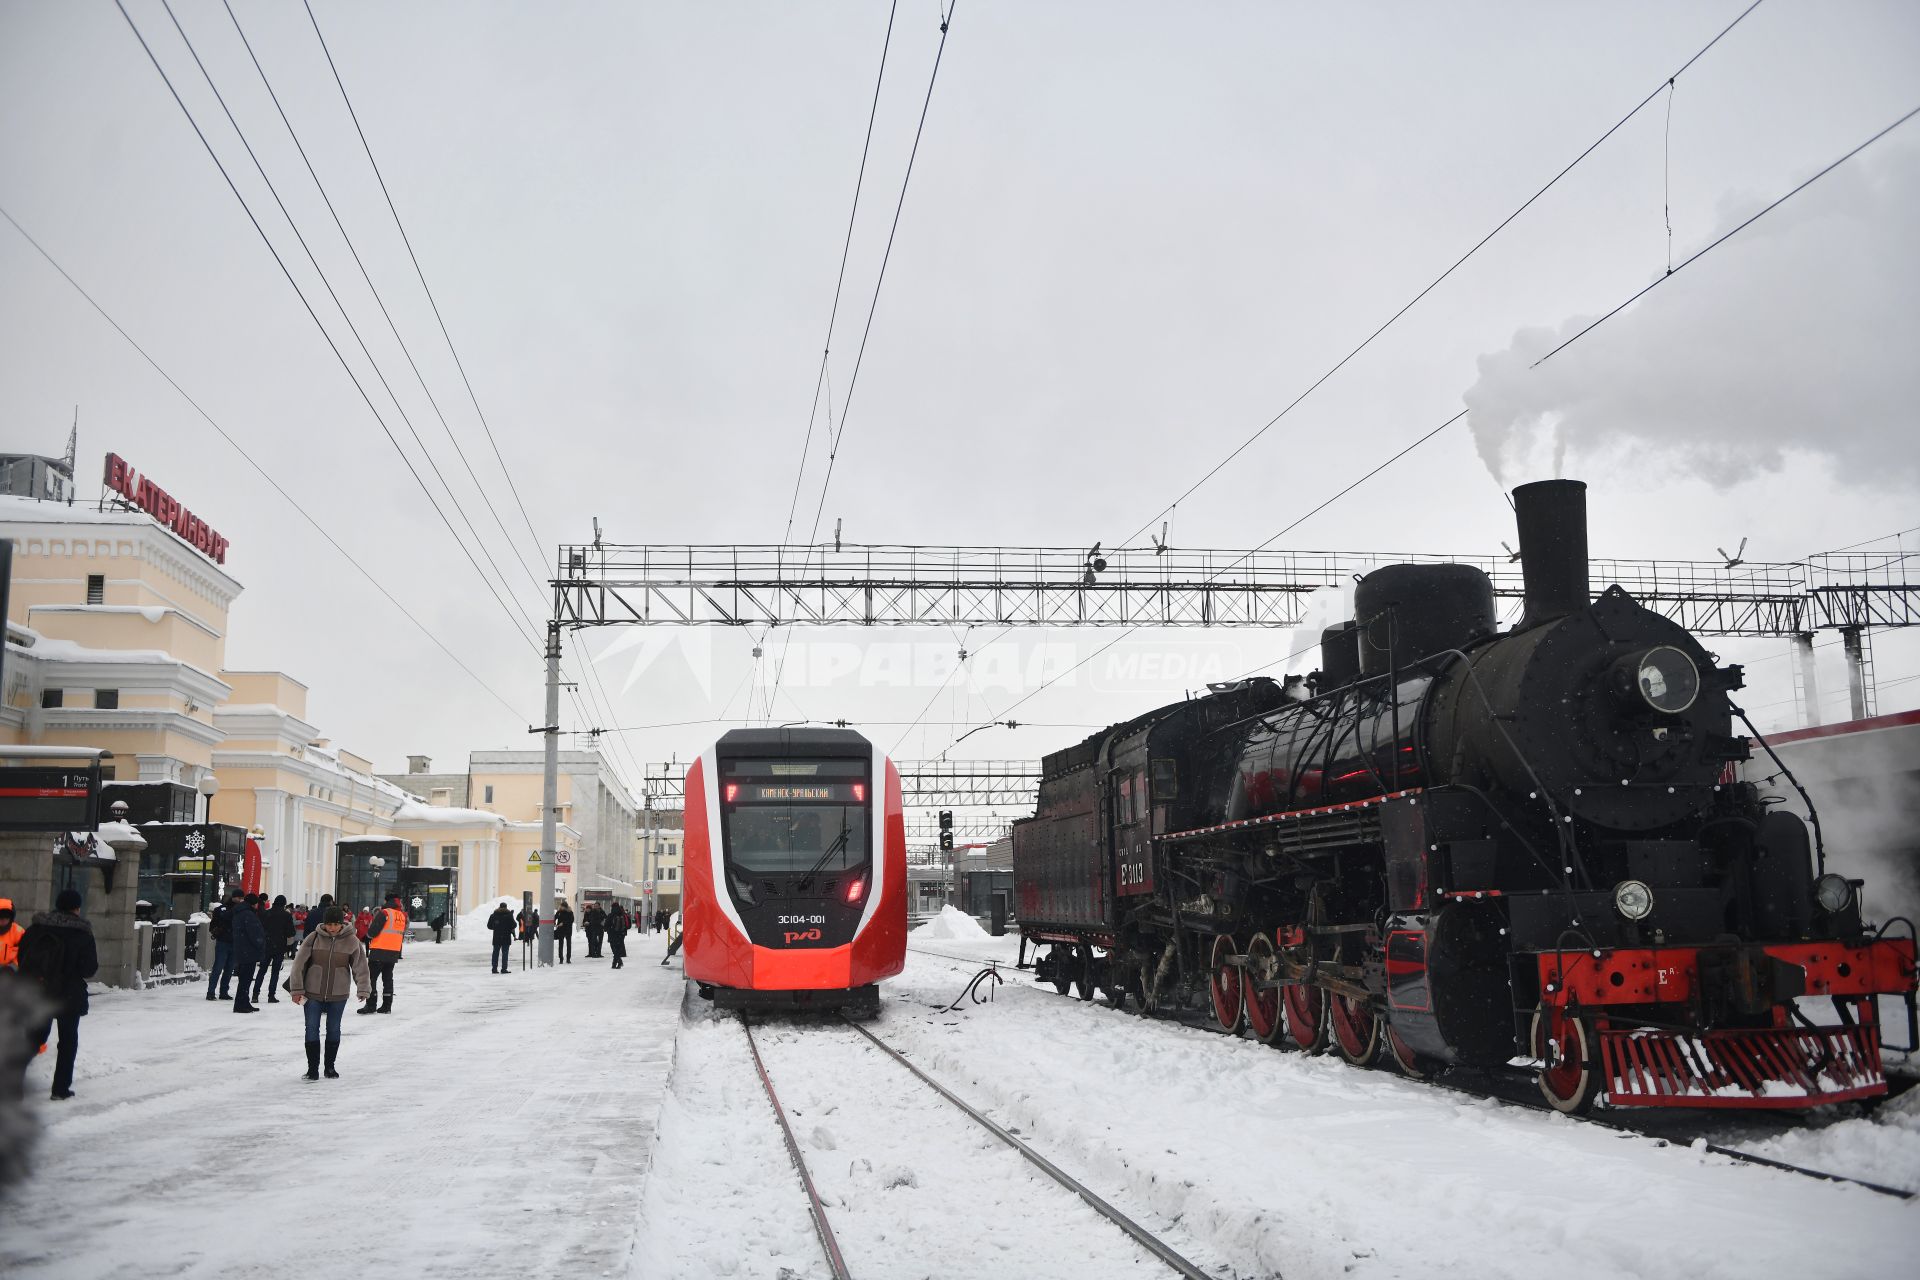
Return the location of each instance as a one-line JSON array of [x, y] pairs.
[[1884, 1147], [951, 925]]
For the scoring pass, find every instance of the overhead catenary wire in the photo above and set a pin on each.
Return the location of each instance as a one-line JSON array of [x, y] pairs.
[[1438, 280], [264, 474], [873, 306], [433, 302], [312, 313], [1692, 258]]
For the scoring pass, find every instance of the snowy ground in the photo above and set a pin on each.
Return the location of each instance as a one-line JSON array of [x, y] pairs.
[[488, 1126], [506, 1126]]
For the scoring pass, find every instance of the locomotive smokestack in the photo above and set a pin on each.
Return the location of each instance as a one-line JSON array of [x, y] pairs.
[[1552, 515]]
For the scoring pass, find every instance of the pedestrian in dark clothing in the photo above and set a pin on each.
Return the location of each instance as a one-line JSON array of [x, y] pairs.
[[279, 927], [330, 964], [220, 928], [438, 923], [618, 922], [249, 949], [529, 934], [58, 952], [595, 923], [563, 935], [500, 923]]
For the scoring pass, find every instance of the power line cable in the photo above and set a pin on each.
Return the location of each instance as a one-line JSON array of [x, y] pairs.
[[314, 315], [263, 472], [1736, 230], [485, 426], [381, 303], [1441, 278], [873, 305]]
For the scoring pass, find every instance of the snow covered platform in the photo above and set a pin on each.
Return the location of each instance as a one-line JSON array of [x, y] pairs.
[[488, 1126]]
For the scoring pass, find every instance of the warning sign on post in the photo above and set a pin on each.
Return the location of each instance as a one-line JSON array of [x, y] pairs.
[[533, 860]]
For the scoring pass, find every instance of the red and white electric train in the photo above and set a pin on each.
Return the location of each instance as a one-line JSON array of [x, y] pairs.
[[796, 871]]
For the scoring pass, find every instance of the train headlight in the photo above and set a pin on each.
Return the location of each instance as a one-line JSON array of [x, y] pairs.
[[1666, 679], [1833, 893], [1632, 899]]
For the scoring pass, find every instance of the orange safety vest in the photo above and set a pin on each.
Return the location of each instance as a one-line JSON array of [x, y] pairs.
[[10, 946], [392, 933]]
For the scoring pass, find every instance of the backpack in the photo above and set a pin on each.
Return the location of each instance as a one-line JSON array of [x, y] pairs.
[[219, 925], [43, 956]]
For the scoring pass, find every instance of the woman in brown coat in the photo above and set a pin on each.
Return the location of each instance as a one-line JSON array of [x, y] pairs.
[[330, 965]]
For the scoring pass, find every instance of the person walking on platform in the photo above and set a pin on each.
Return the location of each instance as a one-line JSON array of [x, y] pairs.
[[674, 936], [10, 935], [618, 922], [438, 923], [57, 951], [385, 936], [315, 914], [278, 925], [595, 923], [220, 929], [362, 923], [529, 934], [249, 949], [563, 934], [329, 966], [500, 924]]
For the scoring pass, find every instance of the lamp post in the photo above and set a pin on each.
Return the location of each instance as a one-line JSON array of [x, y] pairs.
[[209, 786]]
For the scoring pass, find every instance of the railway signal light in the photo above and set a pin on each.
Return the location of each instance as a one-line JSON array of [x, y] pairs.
[[946, 830]]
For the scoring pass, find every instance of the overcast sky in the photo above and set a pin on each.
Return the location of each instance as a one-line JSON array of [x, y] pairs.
[[1134, 232]]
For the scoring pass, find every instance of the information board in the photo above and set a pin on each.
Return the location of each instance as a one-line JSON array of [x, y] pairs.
[[34, 798]]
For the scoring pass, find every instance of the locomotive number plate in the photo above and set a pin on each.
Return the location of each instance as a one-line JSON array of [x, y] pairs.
[[1136, 870], [802, 919]]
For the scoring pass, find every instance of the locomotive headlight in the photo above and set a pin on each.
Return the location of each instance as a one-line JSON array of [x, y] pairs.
[[1666, 679], [1632, 899], [1833, 893]]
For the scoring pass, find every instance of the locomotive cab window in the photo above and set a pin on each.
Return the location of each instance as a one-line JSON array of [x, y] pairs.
[[1166, 780], [796, 817]]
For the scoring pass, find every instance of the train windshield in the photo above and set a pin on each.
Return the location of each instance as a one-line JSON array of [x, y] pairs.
[[795, 816]]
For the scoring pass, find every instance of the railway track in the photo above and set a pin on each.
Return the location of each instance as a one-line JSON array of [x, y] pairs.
[[1514, 1091], [836, 1077]]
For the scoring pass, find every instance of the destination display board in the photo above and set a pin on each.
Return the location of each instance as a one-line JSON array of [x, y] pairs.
[[797, 792], [38, 798]]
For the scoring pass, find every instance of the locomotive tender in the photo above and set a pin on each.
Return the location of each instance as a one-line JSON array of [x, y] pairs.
[[796, 871], [1452, 845]]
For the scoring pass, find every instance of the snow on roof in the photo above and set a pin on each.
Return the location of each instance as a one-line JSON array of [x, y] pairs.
[[48, 649], [412, 810], [36, 511]]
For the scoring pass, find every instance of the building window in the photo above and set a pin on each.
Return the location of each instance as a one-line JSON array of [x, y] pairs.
[[106, 699], [442, 796], [489, 799], [673, 873], [52, 697], [450, 855], [96, 588]]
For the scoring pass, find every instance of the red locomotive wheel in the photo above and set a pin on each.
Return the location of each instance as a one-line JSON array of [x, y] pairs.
[[1226, 985], [1567, 1046], [1306, 1016], [1403, 1057], [1262, 1003], [1356, 1032]]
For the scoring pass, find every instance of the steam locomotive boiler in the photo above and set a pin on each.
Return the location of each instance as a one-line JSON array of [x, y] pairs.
[[1454, 845]]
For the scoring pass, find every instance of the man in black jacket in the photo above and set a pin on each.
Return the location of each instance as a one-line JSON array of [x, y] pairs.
[[58, 952], [563, 934], [502, 926], [249, 949], [277, 923], [220, 929], [595, 923]]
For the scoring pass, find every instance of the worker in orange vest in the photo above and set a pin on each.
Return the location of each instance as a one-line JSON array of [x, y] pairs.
[[10, 935], [385, 935]]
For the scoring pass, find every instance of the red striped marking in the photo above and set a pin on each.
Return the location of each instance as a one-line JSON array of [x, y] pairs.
[[1274, 818]]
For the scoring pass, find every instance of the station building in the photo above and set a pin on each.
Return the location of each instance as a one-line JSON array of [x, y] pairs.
[[116, 628]]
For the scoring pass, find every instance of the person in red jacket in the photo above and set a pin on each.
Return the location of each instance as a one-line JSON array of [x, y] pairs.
[[363, 922]]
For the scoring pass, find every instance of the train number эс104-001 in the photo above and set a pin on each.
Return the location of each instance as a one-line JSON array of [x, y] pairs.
[[803, 920]]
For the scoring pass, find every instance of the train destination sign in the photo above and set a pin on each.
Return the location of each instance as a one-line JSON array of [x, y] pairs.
[[56, 799], [142, 492], [790, 793]]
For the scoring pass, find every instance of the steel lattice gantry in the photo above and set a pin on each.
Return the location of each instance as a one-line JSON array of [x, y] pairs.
[[923, 784], [775, 585]]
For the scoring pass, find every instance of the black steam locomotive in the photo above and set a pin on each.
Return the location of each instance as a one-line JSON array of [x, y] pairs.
[[1452, 845]]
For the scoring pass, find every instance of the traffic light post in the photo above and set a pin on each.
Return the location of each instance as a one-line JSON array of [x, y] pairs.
[[946, 848]]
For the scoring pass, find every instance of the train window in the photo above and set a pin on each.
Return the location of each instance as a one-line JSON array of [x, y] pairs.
[[1166, 780], [781, 838], [1140, 796]]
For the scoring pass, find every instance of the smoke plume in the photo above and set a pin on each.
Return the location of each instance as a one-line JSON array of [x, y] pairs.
[[1798, 334]]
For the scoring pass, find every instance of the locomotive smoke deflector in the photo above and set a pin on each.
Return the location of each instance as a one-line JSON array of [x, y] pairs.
[[1552, 516]]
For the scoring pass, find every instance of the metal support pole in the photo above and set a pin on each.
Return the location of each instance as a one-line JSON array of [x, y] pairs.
[[550, 795], [1856, 671], [1809, 682]]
